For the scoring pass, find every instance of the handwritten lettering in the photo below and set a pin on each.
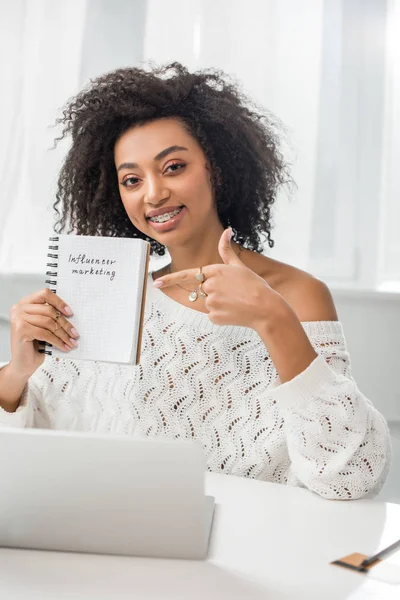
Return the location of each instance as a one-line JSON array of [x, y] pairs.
[[82, 259]]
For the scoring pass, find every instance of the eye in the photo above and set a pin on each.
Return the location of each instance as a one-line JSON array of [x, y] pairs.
[[130, 182], [174, 167]]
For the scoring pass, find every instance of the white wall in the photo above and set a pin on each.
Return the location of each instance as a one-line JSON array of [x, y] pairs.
[[372, 328]]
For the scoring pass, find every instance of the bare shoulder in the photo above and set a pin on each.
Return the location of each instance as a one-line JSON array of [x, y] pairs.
[[309, 297]]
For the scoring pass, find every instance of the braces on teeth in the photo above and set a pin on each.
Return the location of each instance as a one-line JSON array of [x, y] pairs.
[[165, 217]]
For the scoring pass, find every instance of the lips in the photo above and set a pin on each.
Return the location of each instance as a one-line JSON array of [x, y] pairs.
[[163, 211], [169, 225]]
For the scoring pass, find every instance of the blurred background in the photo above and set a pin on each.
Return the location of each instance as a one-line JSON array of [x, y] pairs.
[[328, 69]]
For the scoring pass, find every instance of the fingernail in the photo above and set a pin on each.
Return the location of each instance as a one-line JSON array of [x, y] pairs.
[[230, 233], [158, 283], [73, 342], [75, 332], [67, 347], [68, 310]]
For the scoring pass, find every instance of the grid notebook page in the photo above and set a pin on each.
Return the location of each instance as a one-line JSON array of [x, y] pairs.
[[101, 279]]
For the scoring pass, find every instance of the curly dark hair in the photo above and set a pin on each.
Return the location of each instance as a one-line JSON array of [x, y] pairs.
[[241, 143]]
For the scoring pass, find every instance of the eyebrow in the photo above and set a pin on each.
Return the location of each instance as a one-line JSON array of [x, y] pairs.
[[160, 155]]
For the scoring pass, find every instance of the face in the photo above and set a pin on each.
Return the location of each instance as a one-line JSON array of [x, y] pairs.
[[164, 182]]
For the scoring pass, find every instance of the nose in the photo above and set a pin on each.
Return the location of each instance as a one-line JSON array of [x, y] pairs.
[[156, 192]]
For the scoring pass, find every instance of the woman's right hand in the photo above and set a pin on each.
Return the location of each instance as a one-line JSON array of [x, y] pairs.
[[39, 317]]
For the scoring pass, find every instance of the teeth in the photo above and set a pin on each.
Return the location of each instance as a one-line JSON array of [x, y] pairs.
[[166, 216]]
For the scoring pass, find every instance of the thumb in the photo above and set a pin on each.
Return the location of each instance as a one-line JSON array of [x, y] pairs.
[[225, 249]]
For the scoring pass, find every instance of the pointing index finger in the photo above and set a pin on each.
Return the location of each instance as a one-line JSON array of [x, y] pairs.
[[189, 275]]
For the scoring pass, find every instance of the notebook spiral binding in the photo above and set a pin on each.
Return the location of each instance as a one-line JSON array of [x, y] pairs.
[[45, 347]]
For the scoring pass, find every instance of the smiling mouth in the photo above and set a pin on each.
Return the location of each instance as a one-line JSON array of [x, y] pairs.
[[165, 217]]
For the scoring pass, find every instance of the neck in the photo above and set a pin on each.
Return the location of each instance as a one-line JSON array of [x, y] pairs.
[[199, 252]]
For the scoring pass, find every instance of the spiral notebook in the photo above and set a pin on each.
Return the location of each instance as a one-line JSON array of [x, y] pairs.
[[103, 280]]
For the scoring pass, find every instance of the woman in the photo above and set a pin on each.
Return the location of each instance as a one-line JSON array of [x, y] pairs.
[[248, 357]]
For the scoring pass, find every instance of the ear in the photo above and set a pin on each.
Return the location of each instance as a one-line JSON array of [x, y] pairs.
[[225, 249]]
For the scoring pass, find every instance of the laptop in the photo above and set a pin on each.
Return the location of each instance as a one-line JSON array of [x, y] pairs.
[[103, 493]]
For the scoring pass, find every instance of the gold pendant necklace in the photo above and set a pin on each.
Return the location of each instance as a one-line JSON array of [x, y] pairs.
[[193, 294]]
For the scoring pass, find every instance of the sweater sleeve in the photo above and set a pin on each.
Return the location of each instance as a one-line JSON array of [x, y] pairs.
[[338, 443], [23, 416]]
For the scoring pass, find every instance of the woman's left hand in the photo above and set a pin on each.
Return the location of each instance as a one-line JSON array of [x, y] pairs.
[[235, 294]]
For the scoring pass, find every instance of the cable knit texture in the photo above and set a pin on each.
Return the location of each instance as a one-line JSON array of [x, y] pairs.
[[197, 380]]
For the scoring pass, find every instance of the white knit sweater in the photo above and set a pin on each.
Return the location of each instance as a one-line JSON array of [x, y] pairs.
[[218, 384]]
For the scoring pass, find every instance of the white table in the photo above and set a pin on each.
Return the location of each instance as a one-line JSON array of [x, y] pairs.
[[268, 542]]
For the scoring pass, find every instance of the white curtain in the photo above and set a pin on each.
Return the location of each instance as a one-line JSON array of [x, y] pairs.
[[318, 65], [389, 258], [49, 50], [273, 47], [345, 243], [40, 45]]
